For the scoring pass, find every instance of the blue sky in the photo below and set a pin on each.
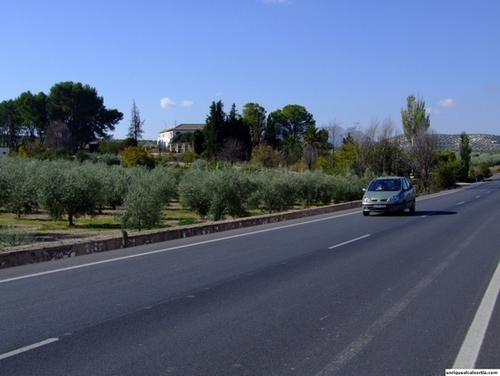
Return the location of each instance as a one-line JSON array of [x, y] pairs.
[[350, 61]]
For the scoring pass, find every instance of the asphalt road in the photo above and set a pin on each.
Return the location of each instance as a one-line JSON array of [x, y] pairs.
[[337, 294]]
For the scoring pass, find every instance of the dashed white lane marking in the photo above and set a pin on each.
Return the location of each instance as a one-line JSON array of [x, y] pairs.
[[349, 241], [175, 248], [28, 348], [469, 351], [471, 346], [352, 350], [461, 202]]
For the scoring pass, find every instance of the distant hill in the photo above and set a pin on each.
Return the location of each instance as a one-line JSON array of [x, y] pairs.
[[478, 142]]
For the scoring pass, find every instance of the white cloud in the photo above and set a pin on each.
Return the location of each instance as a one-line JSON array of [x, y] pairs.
[[167, 103], [432, 111], [447, 103], [186, 104]]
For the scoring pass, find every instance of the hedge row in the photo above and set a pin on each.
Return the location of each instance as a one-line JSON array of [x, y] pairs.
[[70, 189], [234, 192]]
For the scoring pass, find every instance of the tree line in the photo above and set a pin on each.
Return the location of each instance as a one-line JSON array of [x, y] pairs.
[[72, 115], [289, 137], [291, 131]]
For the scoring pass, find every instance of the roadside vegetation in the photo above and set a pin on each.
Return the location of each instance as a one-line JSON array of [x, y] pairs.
[[58, 182]]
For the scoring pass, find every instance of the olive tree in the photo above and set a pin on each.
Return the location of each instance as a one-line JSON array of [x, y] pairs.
[[19, 184], [147, 194], [64, 188], [216, 193]]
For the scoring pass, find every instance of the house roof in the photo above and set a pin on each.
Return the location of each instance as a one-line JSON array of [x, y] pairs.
[[184, 127]]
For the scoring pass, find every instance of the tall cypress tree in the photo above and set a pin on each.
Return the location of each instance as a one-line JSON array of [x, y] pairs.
[[214, 128], [465, 155]]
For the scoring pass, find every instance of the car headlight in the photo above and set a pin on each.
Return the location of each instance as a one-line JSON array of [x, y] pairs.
[[394, 199], [367, 199]]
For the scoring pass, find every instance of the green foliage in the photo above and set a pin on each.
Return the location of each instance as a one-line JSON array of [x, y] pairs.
[[482, 170], [110, 147], [66, 189], [213, 129], [465, 156], [325, 163], [346, 156], [110, 159], [82, 156], [31, 149], [225, 136], [193, 191], [10, 124], [19, 187], [61, 153], [271, 132], [349, 187], [488, 158], [254, 115], [135, 156], [11, 237], [315, 188], [230, 190], [414, 118], [276, 191], [183, 138], [216, 193], [315, 141], [115, 182], [265, 156], [135, 130], [291, 149], [292, 120], [199, 141], [446, 171], [147, 194], [189, 157], [83, 111]]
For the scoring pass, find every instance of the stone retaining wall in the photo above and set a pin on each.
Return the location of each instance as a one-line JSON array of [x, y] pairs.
[[40, 252]]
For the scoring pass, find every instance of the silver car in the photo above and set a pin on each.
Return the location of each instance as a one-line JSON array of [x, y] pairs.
[[389, 194]]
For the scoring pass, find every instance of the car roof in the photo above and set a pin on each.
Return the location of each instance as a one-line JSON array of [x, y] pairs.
[[389, 177]]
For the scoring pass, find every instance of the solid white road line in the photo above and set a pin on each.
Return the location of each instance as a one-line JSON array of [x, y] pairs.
[[28, 348], [467, 356], [471, 347]]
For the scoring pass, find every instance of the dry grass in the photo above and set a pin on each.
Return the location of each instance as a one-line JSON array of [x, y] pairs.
[[106, 223]]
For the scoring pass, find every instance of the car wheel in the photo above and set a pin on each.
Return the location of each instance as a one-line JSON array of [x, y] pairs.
[[402, 210], [366, 213], [412, 207]]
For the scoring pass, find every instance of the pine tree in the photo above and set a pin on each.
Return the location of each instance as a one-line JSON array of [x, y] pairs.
[[135, 130]]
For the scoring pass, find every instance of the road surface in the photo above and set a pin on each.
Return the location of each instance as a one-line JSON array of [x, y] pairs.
[[336, 294]]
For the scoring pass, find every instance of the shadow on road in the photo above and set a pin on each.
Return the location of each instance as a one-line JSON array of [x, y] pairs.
[[436, 212], [417, 213]]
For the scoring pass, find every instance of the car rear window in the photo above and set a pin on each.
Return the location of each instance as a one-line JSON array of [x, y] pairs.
[[385, 185]]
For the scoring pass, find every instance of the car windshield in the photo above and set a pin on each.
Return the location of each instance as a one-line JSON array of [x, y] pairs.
[[385, 185]]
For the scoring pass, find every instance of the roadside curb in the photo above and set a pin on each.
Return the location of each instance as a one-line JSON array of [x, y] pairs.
[[41, 252]]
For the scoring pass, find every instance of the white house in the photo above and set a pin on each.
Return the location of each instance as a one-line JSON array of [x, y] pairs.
[[166, 135]]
